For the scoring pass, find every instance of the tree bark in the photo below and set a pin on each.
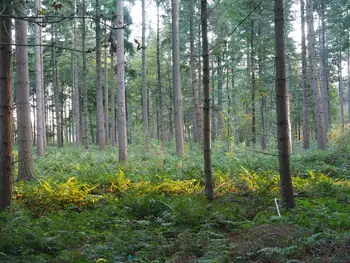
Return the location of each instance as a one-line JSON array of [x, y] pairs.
[[100, 130], [122, 135], [196, 102], [213, 123], [340, 84], [219, 72], [106, 105], [25, 155], [320, 138], [306, 134], [178, 111], [114, 141], [252, 57], [40, 107], [348, 55], [85, 134], [281, 103], [6, 146], [159, 83], [323, 69], [76, 86], [144, 86], [56, 88], [209, 190]]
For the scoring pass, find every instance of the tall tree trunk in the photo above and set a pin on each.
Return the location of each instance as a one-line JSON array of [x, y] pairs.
[[219, 71], [144, 86], [76, 94], [100, 130], [25, 155], [159, 82], [178, 111], [213, 123], [6, 146], [281, 103], [289, 87], [56, 88], [340, 83], [252, 57], [306, 134], [106, 105], [196, 102], [39, 88], [85, 134], [348, 54], [114, 142], [324, 70], [320, 138], [206, 107], [122, 136]]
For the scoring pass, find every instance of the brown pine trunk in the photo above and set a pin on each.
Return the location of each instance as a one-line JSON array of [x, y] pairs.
[[281, 103], [209, 189], [144, 86], [25, 155], [320, 138], [114, 141], [85, 130], [340, 84], [39, 90], [6, 147], [219, 72], [100, 130], [56, 89], [178, 110], [76, 94], [306, 134], [159, 83], [122, 135], [106, 112], [252, 57], [198, 121]]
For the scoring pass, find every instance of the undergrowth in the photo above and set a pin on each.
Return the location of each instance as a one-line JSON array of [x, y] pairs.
[[85, 207]]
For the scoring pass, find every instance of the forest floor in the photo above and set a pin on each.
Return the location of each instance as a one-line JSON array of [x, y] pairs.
[[84, 207]]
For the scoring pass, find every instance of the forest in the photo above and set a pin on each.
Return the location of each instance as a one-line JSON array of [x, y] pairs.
[[178, 131]]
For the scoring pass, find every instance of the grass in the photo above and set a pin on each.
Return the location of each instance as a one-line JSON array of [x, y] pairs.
[[86, 208]]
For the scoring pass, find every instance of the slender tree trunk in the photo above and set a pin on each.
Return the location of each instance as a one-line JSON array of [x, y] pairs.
[[348, 54], [114, 142], [25, 156], [106, 113], [99, 94], [144, 86], [42, 89], [306, 134], [122, 135], [213, 123], [289, 86], [206, 107], [76, 94], [56, 88], [39, 88], [252, 57], [320, 138], [196, 101], [6, 146], [85, 134], [323, 70], [219, 70], [159, 82], [281, 103], [178, 111], [340, 83]]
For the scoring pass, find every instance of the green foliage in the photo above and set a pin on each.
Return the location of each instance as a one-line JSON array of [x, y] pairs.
[[85, 207]]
